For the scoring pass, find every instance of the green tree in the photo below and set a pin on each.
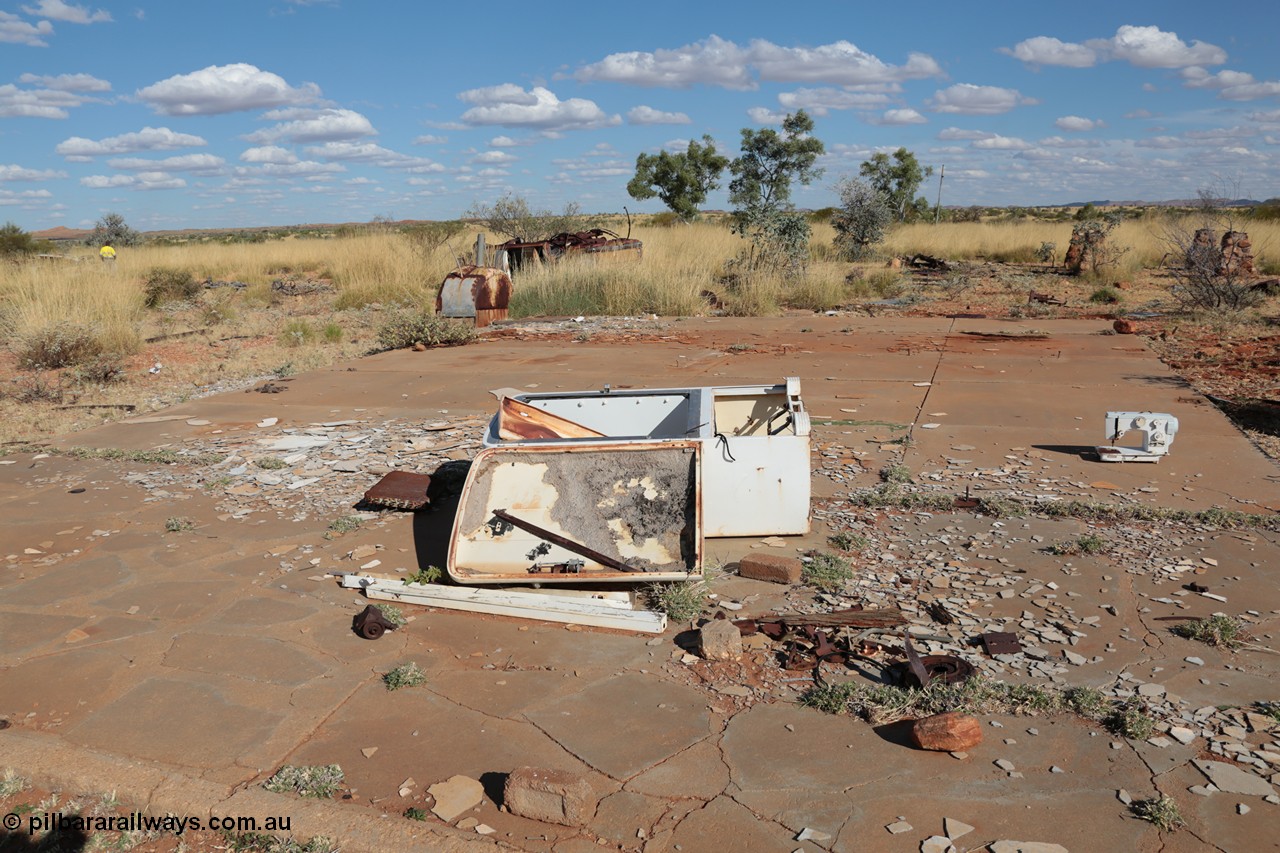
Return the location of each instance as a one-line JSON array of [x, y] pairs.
[[112, 229], [897, 178], [681, 180], [761, 191], [861, 219], [14, 242], [511, 216]]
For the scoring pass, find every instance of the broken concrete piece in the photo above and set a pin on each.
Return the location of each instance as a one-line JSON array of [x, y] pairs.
[[454, 796], [899, 827], [936, 844], [1233, 780], [1026, 847], [771, 567], [720, 639], [947, 732], [954, 829], [550, 796]]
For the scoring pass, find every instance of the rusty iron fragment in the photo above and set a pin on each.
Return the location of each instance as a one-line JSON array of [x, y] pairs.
[[939, 613], [885, 618], [371, 624], [400, 490], [1001, 643], [518, 421], [600, 243]]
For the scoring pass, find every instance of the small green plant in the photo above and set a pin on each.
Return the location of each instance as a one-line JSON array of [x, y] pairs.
[[103, 369], [1087, 702], [163, 285], [739, 347], [321, 781], [11, 783], [878, 703], [1271, 709], [896, 473], [847, 541], [404, 328], [260, 842], [178, 524], [829, 698], [682, 601], [392, 614], [405, 675], [1161, 811], [296, 333], [414, 813], [271, 463], [345, 524], [285, 370], [1131, 719], [1089, 543], [827, 572], [1106, 295], [1219, 630], [332, 333], [430, 574]]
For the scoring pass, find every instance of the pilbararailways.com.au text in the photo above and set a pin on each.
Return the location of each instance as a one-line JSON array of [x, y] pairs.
[[139, 822]]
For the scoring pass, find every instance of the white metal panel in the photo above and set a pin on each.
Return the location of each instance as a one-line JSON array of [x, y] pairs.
[[456, 298]]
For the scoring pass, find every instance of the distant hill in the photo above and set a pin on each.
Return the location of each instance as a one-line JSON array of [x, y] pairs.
[[62, 232]]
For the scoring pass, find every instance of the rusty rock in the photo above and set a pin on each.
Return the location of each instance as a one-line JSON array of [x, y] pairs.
[[419, 347], [771, 567], [947, 732], [550, 796], [720, 639], [1124, 327]]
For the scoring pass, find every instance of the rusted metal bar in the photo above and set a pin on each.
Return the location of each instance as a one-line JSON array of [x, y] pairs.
[[564, 542], [885, 618]]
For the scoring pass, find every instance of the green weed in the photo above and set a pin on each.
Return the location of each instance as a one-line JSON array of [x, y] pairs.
[[405, 675], [317, 781]]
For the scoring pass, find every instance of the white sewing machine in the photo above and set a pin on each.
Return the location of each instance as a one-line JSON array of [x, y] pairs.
[[1157, 428]]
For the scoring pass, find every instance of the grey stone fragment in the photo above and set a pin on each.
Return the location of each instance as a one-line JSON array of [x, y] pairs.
[[720, 639], [454, 796], [899, 827], [954, 829]]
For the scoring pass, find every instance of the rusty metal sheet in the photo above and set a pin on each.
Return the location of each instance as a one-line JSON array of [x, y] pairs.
[[400, 490], [1001, 643], [472, 291]]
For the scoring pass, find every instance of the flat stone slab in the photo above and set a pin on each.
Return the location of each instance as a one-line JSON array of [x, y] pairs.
[[260, 610], [167, 599], [626, 724], [1233, 780], [72, 580], [764, 754], [273, 661], [177, 722], [724, 820], [22, 632]]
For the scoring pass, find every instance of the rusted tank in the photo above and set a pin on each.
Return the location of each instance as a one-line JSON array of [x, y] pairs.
[[479, 292]]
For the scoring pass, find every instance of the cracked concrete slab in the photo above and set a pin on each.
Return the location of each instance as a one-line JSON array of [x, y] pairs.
[[648, 720]]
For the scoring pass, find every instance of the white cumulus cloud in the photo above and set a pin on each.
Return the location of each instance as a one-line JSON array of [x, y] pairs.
[[1001, 143], [1078, 124], [224, 89], [899, 117], [764, 115], [269, 154], [840, 63], [648, 115], [328, 125], [1046, 50], [147, 139], [968, 99], [374, 155], [141, 181], [14, 30], [67, 82], [821, 100], [19, 173], [200, 164], [508, 105], [713, 61], [57, 10]]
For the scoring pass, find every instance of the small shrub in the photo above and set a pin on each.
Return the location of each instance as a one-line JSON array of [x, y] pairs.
[[1087, 702], [827, 572], [392, 614], [105, 369], [332, 333], [1161, 811], [404, 328], [682, 601], [1219, 630], [221, 311], [297, 333], [1130, 719], [284, 370], [35, 388], [11, 783], [163, 285], [415, 813], [430, 574], [829, 698], [895, 473], [271, 463], [178, 524], [1089, 543], [319, 781], [346, 524], [405, 675], [1108, 295], [847, 541], [62, 344]]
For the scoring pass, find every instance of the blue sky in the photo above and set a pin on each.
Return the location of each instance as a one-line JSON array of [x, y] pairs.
[[278, 112]]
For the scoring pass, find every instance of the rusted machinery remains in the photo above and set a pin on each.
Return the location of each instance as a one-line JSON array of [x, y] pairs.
[[475, 291], [597, 242]]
